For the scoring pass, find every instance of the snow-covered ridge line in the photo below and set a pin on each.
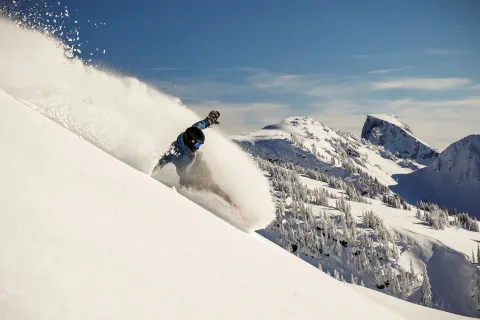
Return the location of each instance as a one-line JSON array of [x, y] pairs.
[[393, 119]]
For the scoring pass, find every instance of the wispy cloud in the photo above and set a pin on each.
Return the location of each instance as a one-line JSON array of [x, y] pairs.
[[382, 71], [371, 56], [441, 51], [162, 69], [396, 55], [458, 26], [231, 69], [422, 83]]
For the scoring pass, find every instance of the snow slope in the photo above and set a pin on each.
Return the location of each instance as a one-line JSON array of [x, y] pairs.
[[84, 236], [453, 179], [389, 131], [123, 116]]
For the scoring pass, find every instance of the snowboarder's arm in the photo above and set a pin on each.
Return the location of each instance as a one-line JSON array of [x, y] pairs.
[[202, 124], [210, 120], [164, 160]]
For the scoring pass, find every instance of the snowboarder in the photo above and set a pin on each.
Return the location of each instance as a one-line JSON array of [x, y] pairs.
[[190, 166]]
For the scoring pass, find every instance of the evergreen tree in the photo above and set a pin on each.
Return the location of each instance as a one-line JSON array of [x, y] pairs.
[[336, 275], [352, 279], [412, 271], [426, 289], [396, 289]]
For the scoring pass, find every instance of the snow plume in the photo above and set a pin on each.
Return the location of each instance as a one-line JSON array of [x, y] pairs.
[[125, 117]]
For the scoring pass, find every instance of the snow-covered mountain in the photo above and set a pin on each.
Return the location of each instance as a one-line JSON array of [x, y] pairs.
[[312, 145], [452, 179], [389, 131]]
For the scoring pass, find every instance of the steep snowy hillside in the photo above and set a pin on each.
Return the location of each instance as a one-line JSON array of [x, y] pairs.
[[389, 131], [123, 116], [453, 179], [84, 236]]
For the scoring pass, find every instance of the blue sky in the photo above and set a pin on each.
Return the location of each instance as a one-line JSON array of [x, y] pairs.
[[260, 61]]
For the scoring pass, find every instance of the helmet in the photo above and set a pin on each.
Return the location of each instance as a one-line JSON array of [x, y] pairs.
[[194, 138]]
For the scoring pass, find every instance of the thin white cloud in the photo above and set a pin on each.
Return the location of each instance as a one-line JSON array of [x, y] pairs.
[[371, 56], [458, 26], [395, 55], [422, 83], [288, 82], [441, 51], [382, 71], [340, 89], [162, 69], [466, 103]]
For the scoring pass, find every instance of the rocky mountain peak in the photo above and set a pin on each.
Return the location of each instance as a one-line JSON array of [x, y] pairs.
[[389, 131]]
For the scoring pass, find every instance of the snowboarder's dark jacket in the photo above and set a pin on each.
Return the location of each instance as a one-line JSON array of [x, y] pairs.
[[179, 153]]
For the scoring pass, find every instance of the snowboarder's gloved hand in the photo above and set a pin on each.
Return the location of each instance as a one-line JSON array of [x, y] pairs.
[[213, 117]]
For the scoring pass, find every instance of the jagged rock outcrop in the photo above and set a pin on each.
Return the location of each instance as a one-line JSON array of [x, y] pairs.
[[389, 131]]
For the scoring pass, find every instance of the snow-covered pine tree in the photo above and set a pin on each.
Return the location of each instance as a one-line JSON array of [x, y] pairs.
[[396, 288], [426, 289], [336, 275], [412, 271], [352, 279], [419, 214]]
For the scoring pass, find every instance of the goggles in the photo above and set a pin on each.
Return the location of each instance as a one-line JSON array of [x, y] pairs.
[[197, 145]]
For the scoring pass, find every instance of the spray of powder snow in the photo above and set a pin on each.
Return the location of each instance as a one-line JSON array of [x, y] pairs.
[[123, 116]]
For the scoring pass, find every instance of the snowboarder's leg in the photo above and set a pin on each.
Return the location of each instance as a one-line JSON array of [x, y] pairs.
[[200, 178], [222, 194]]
